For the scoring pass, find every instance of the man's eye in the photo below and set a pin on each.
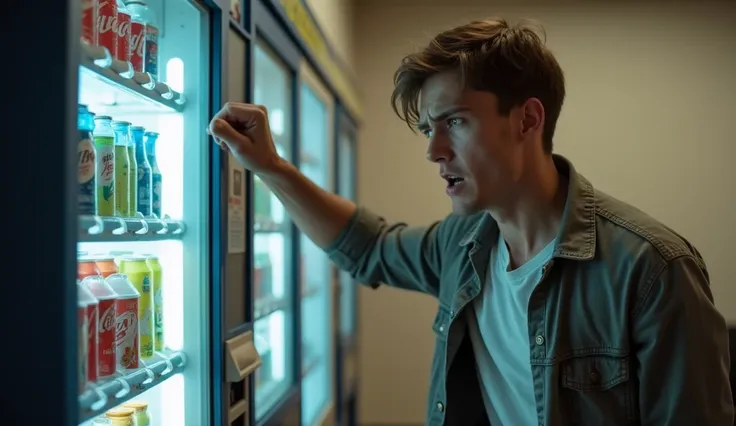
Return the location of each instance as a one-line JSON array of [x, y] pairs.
[[452, 122]]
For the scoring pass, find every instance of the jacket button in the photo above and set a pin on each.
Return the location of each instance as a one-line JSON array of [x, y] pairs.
[[452, 314], [442, 329], [440, 407], [539, 340], [595, 377]]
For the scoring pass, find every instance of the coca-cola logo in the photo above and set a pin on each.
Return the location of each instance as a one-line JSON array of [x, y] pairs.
[[126, 326], [107, 18], [92, 322], [137, 39], [107, 319], [123, 27]]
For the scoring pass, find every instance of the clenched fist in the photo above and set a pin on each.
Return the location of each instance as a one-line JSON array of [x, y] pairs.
[[243, 130]]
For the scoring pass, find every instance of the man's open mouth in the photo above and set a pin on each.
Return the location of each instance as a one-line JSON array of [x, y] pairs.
[[453, 180]]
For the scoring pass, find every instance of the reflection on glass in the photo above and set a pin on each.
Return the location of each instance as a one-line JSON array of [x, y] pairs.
[[315, 266], [346, 185], [271, 377], [271, 265]]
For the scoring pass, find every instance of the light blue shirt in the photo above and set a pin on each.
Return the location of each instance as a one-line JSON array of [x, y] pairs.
[[498, 331]]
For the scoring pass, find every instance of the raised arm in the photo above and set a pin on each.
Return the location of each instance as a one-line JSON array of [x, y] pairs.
[[358, 241]]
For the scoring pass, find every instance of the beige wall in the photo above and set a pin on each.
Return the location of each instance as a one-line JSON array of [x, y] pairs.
[[335, 18], [648, 118]]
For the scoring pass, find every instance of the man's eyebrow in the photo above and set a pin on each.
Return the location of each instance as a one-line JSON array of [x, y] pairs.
[[424, 123]]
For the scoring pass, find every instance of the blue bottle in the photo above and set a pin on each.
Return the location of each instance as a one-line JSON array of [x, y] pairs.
[[150, 144], [144, 178], [86, 164]]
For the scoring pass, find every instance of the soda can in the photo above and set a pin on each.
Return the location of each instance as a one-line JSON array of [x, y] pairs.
[[91, 311], [122, 51], [89, 22], [151, 51], [106, 265], [126, 322], [86, 267], [107, 25], [82, 338], [158, 300], [106, 296], [137, 44], [136, 269]]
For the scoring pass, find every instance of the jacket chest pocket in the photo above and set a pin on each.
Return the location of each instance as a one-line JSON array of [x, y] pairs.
[[597, 389]]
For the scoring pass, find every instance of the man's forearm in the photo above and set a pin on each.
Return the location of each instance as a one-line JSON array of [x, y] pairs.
[[319, 214]]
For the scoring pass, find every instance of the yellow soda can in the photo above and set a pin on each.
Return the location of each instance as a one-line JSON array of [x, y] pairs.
[[158, 300], [139, 274]]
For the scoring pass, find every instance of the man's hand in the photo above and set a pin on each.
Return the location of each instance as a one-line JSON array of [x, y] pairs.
[[243, 130]]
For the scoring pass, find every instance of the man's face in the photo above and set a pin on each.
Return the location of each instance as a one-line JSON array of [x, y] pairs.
[[479, 152]]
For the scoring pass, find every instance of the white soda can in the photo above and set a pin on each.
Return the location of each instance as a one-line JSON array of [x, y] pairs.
[[126, 322]]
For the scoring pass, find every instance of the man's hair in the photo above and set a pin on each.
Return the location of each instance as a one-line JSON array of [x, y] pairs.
[[512, 62]]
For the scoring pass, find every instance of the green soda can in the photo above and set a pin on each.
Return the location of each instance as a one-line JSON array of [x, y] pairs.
[[158, 300], [104, 140], [122, 166]]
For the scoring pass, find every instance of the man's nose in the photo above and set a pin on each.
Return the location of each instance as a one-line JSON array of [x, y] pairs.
[[439, 150]]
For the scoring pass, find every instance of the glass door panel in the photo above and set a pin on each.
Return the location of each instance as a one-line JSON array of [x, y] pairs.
[[316, 121], [143, 222], [272, 261], [346, 185]]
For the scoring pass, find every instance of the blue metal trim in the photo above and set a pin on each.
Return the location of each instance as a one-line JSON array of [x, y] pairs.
[[245, 35], [249, 23], [296, 279], [40, 121], [269, 29], [219, 409]]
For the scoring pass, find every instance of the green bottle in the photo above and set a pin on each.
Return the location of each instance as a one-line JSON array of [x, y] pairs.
[[122, 166], [104, 139]]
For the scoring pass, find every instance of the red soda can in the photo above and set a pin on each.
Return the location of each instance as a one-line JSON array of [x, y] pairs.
[[84, 296], [107, 25], [123, 27], [137, 44], [82, 339], [89, 22], [126, 321], [106, 353]]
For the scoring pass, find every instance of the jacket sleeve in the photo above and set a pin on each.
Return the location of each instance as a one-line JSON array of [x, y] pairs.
[[374, 252], [682, 349]]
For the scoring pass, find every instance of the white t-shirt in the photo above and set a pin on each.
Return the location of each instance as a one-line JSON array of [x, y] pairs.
[[499, 333]]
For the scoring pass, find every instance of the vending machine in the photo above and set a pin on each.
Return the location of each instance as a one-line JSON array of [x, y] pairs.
[[124, 240]]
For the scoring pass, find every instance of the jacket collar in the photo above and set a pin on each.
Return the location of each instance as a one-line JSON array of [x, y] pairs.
[[577, 235]]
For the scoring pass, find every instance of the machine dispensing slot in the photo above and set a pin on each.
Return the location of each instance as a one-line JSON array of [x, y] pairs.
[[242, 357], [242, 361]]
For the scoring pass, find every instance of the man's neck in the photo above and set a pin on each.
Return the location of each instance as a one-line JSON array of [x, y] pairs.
[[534, 219]]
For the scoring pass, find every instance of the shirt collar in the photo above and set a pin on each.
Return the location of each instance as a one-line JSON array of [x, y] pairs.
[[577, 235]]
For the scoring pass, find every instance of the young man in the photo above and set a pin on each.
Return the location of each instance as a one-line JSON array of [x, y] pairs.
[[559, 304]]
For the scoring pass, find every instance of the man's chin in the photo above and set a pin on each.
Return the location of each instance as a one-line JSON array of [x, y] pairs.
[[461, 208]]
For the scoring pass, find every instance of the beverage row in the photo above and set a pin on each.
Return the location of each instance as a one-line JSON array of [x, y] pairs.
[[131, 413], [117, 171], [120, 313], [127, 29]]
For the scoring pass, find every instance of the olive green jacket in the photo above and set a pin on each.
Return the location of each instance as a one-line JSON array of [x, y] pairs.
[[622, 326]]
